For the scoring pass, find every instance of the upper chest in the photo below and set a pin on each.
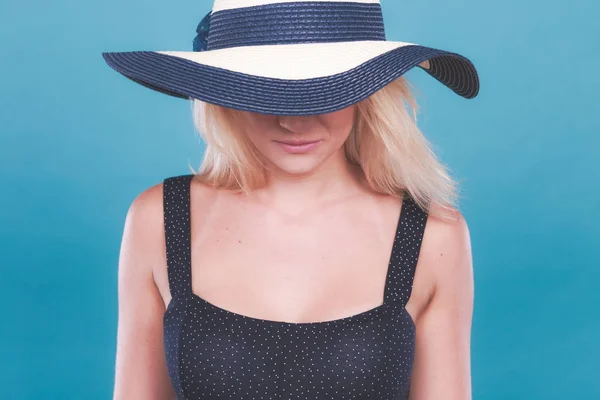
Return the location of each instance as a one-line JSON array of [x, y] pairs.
[[354, 236], [248, 257]]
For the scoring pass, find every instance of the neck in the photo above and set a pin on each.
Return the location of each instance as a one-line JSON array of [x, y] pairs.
[[333, 179]]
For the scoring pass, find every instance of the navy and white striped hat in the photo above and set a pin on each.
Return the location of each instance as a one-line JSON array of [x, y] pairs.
[[290, 58]]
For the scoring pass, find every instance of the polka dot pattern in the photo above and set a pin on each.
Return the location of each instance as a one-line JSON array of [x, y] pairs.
[[214, 353]]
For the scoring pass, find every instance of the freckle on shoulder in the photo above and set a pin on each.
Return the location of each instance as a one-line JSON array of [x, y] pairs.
[[444, 235]]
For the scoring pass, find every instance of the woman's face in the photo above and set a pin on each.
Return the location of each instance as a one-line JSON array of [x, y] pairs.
[[299, 144]]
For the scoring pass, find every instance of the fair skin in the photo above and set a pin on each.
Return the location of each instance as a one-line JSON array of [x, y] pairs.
[[279, 253]]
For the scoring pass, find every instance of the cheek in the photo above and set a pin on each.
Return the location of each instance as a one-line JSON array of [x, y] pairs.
[[339, 123], [259, 129]]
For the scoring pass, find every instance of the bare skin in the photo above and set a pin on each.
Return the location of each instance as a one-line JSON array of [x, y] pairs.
[[312, 246]]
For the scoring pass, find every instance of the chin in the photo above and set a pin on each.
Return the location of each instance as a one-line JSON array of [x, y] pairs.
[[297, 167]]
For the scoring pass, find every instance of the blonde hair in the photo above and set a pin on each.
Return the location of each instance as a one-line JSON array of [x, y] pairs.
[[385, 141]]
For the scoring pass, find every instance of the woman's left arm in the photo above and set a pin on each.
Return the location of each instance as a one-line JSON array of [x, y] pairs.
[[441, 369]]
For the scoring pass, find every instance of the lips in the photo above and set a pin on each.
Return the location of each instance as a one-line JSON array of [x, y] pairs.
[[298, 146], [296, 143]]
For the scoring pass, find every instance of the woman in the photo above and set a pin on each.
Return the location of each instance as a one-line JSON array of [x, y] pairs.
[[317, 253]]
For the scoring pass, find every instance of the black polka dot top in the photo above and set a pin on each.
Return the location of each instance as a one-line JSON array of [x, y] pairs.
[[213, 353]]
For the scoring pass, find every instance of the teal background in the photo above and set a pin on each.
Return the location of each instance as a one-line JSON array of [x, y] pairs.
[[78, 142]]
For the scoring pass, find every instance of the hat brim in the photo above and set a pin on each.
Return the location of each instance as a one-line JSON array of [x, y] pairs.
[[293, 79]]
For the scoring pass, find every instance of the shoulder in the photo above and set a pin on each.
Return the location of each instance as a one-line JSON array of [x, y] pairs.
[[146, 208], [145, 215], [446, 249], [450, 234], [143, 228]]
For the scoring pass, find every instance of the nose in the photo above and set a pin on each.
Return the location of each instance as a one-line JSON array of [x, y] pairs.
[[297, 124]]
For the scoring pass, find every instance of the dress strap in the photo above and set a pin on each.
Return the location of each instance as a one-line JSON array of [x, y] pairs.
[[176, 205], [405, 252]]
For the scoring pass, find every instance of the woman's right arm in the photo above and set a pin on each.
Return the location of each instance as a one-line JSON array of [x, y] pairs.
[[140, 368]]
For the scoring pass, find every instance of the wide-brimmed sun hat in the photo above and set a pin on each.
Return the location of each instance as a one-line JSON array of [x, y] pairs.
[[290, 58]]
